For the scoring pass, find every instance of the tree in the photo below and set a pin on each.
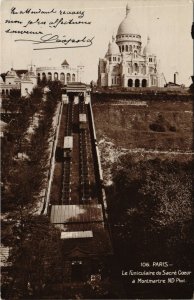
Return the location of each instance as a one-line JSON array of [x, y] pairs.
[[36, 259], [150, 204]]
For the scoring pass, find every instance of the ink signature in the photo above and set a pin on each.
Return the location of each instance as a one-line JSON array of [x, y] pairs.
[[67, 42]]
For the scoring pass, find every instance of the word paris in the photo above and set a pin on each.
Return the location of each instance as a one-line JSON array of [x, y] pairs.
[[31, 11]]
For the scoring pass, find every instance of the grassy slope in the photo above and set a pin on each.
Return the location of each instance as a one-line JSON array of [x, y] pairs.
[[128, 126]]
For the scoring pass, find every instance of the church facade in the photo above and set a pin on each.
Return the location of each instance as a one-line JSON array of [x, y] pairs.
[[126, 63]]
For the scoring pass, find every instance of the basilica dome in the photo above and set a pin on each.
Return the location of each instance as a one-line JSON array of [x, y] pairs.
[[148, 49], [128, 25], [113, 49]]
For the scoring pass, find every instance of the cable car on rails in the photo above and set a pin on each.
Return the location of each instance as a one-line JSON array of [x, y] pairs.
[[67, 146], [82, 121]]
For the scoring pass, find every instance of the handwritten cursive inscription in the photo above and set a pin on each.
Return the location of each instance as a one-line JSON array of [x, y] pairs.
[[67, 42], [31, 24]]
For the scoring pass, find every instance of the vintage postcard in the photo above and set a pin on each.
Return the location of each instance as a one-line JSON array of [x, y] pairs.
[[97, 149]]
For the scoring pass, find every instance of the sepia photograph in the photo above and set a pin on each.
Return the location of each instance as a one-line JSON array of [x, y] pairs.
[[97, 149]]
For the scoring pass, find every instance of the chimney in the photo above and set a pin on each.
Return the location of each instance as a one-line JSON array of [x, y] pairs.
[[174, 78]]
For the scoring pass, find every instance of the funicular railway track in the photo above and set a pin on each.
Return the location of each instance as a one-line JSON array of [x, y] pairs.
[[84, 163], [65, 193], [77, 118], [79, 211]]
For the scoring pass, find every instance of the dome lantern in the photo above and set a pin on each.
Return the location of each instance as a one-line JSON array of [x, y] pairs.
[[127, 9], [128, 25]]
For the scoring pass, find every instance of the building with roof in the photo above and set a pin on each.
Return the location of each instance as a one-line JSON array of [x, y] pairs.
[[12, 81], [64, 73], [126, 63], [24, 82]]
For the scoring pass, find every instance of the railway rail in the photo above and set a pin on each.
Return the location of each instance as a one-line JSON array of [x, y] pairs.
[[77, 126], [78, 209]]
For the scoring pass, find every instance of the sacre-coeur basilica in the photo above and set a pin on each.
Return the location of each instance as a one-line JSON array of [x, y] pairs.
[[126, 62]]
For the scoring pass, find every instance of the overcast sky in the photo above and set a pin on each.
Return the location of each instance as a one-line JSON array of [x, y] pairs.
[[168, 23]]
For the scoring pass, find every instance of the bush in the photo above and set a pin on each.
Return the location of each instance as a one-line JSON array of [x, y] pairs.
[[157, 127], [172, 128]]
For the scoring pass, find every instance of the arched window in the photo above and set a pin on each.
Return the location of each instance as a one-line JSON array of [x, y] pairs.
[[3, 92], [126, 47], [135, 68], [109, 58], [135, 54], [120, 48], [7, 92], [68, 77], [144, 83], [118, 81], [43, 76], [73, 77], [56, 76], [38, 77], [123, 48], [130, 82], [49, 76], [62, 77], [137, 83], [112, 80]]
